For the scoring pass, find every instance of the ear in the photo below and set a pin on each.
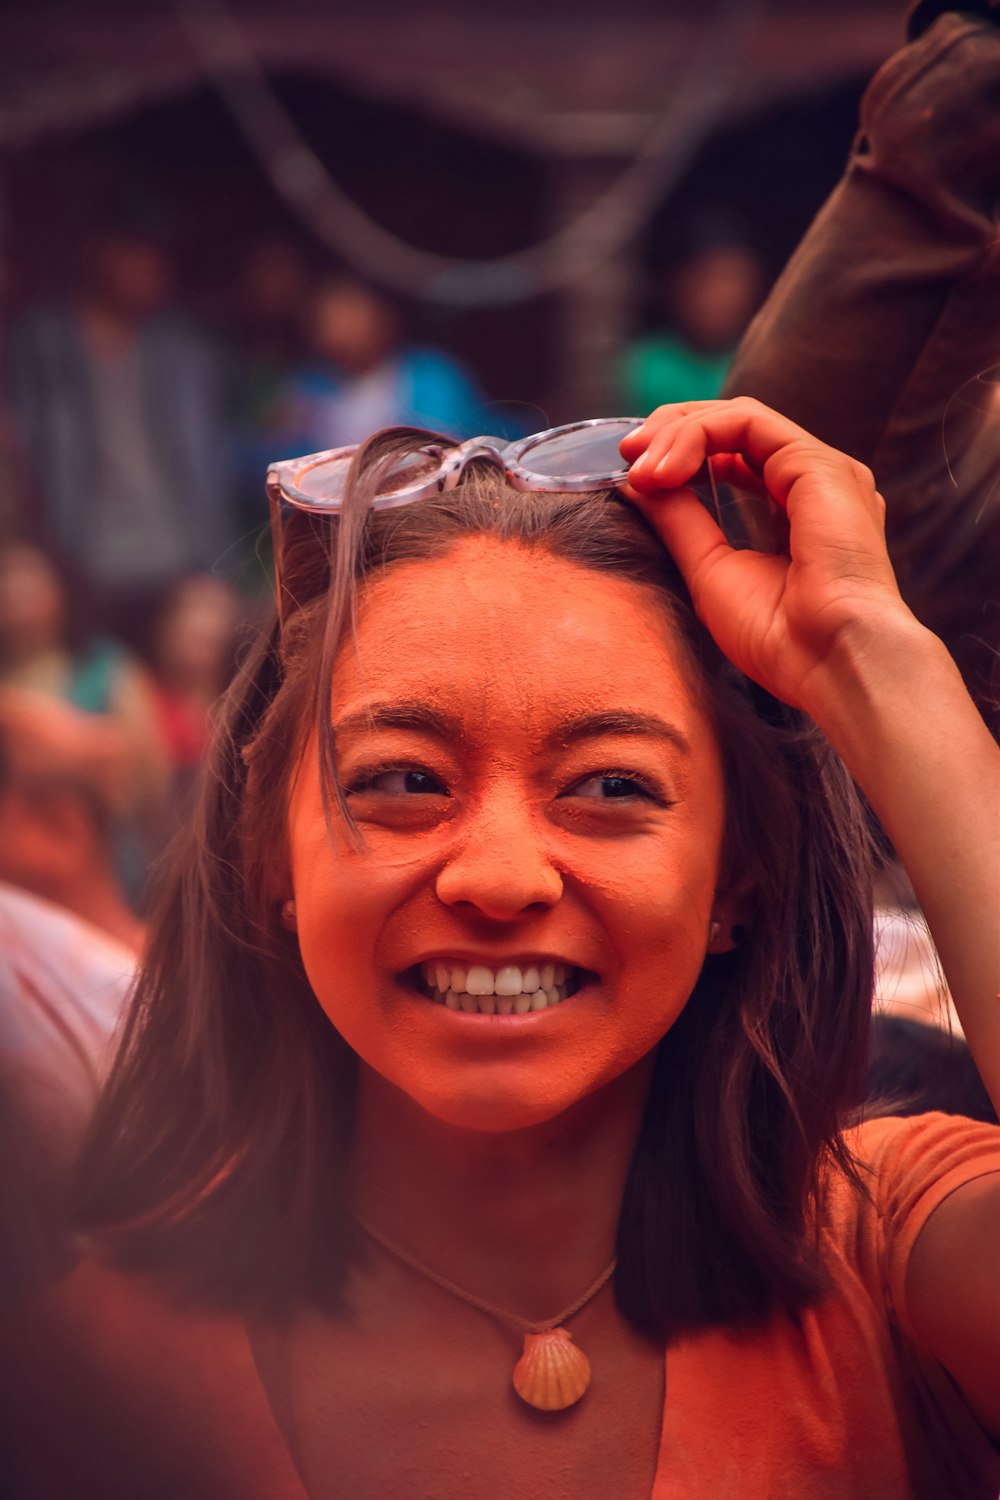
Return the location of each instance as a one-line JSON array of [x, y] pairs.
[[289, 918], [730, 918]]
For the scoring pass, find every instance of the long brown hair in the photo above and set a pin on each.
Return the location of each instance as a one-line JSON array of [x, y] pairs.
[[217, 1151]]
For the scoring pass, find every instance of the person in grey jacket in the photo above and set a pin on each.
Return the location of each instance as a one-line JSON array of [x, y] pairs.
[[119, 403]]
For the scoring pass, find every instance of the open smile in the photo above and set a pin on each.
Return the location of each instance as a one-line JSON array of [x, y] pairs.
[[509, 990]]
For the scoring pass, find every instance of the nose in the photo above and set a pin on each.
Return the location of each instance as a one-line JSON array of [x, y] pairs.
[[502, 868]]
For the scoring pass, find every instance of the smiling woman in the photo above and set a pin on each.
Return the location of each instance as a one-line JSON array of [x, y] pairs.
[[513, 985]]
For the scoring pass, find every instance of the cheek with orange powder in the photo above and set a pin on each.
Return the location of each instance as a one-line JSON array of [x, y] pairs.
[[523, 817]]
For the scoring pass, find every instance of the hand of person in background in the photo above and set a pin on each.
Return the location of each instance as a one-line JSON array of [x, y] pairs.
[[781, 619]]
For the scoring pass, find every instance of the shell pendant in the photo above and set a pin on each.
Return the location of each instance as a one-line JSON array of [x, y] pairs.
[[552, 1372]]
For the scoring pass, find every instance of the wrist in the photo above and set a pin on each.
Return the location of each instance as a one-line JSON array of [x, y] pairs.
[[885, 672]]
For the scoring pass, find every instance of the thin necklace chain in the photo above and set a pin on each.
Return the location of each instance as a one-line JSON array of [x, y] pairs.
[[523, 1324]]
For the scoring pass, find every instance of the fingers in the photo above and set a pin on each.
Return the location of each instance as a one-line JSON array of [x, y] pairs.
[[690, 534], [675, 441], [638, 439], [743, 439]]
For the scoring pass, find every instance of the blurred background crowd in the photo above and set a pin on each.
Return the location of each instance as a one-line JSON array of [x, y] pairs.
[[233, 231]]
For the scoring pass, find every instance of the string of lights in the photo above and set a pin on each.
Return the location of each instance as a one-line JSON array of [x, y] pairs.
[[613, 219]]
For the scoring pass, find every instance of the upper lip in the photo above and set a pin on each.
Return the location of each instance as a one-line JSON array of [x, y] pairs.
[[495, 961]]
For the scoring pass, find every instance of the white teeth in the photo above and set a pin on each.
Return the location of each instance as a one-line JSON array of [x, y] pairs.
[[509, 990], [508, 981], [479, 980]]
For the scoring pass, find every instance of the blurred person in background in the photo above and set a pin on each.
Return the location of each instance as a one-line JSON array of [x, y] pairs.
[[366, 375], [63, 790], [271, 288], [63, 984], [119, 401], [914, 1068], [706, 297], [46, 647], [192, 657], [918, 1057]]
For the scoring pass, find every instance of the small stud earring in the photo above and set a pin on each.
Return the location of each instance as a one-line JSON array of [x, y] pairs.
[[288, 917], [713, 934]]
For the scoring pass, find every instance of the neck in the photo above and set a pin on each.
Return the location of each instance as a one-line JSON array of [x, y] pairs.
[[527, 1220]]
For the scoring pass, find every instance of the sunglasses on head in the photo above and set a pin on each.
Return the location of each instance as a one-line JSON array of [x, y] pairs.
[[575, 458], [578, 457]]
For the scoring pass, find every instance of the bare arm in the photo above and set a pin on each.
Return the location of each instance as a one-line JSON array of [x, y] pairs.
[[823, 627]]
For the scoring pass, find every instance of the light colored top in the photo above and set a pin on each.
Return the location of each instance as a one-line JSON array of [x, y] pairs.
[[63, 986]]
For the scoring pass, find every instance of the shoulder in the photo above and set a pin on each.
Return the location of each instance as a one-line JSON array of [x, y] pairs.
[[175, 336], [316, 381], [908, 1167], [935, 1184], [439, 391], [650, 348], [62, 984], [44, 330], [918, 1243], [423, 362], [925, 1149]]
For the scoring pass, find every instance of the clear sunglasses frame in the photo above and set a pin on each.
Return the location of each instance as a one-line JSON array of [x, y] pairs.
[[287, 480]]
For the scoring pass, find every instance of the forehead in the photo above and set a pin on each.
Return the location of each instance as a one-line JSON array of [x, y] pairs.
[[493, 626]]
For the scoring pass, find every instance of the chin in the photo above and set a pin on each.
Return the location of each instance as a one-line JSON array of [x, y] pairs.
[[503, 1113]]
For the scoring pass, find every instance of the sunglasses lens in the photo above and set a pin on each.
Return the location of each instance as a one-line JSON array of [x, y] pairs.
[[583, 452], [322, 484]]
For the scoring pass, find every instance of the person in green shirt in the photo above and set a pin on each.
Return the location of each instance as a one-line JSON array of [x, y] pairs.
[[707, 297]]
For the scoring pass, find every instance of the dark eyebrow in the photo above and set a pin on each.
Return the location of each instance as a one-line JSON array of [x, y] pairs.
[[422, 718], [405, 714], [623, 722]]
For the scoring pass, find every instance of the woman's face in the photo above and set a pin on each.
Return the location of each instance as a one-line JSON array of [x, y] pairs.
[[540, 796]]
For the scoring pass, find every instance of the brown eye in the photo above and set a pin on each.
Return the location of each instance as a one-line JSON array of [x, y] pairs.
[[611, 788], [423, 781], [401, 781]]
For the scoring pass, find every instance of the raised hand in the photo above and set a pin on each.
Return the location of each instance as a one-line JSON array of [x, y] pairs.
[[781, 619], [823, 627]]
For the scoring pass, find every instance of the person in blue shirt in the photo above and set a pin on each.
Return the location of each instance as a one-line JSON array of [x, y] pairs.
[[365, 375]]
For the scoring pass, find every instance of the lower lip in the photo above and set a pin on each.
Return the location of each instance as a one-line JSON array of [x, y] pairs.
[[477, 1020]]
